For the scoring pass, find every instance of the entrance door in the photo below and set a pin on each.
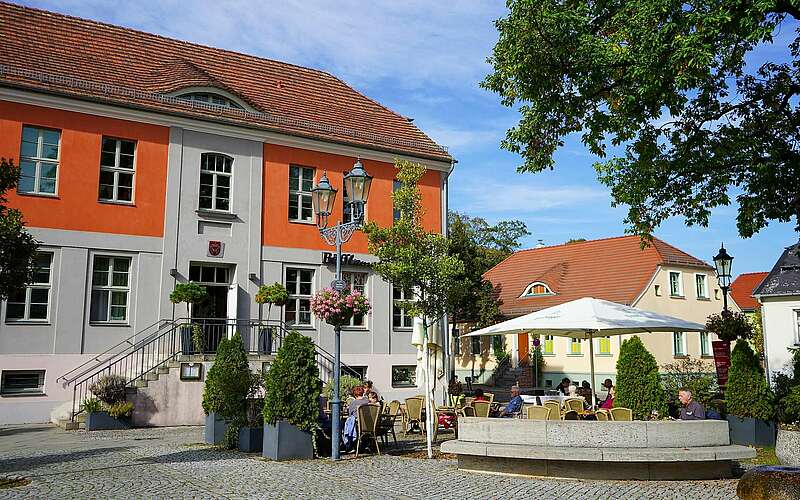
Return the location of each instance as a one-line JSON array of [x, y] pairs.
[[523, 349], [212, 316]]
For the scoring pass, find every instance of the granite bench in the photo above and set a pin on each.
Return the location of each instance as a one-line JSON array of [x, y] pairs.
[[597, 450]]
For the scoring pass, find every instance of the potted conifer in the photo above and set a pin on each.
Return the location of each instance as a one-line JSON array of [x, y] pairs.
[[787, 395], [638, 384], [291, 401], [225, 393], [251, 432], [749, 400], [274, 294], [189, 293]]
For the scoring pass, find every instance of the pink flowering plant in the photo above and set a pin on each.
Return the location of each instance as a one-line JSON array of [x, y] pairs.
[[336, 308]]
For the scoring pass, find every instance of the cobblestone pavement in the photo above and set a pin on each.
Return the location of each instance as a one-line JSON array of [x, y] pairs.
[[168, 463]]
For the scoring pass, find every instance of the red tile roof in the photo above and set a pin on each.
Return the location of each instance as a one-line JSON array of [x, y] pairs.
[[615, 269], [742, 290], [55, 53]]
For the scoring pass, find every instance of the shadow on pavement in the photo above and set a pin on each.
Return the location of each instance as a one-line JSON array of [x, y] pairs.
[[37, 461], [26, 429]]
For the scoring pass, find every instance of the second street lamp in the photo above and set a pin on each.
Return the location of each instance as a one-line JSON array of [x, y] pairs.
[[356, 183], [723, 263]]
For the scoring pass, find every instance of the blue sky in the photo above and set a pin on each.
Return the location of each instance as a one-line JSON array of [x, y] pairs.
[[424, 60]]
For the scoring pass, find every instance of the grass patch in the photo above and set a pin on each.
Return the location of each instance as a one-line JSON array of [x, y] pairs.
[[13, 482], [764, 456]]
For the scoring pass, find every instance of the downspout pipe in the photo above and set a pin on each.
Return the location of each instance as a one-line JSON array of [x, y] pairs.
[[449, 360]]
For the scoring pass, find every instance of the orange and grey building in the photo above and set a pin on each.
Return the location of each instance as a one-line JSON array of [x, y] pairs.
[[148, 161]]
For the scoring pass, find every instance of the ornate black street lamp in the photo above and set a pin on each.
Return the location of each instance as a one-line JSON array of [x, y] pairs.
[[723, 263], [356, 184]]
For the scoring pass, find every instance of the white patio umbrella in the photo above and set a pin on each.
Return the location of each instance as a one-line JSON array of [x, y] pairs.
[[589, 317], [428, 347]]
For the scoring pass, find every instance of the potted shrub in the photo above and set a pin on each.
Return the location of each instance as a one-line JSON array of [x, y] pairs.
[[189, 293], [274, 294], [108, 410], [291, 401], [251, 429], [226, 387], [787, 394], [748, 399], [638, 385]]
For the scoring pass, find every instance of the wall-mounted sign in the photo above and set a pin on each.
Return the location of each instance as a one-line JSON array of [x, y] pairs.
[[191, 371], [348, 259], [216, 248]]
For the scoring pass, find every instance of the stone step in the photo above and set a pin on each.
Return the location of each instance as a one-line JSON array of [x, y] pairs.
[[151, 377], [67, 424], [140, 383], [162, 370]]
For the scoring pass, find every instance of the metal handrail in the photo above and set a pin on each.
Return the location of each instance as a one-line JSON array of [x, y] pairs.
[[139, 358], [65, 381]]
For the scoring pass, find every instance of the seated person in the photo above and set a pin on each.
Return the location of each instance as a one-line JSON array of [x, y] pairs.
[[585, 390], [479, 396], [608, 387], [609, 401], [690, 409], [350, 433], [514, 406], [372, 398], [369, 387], [563, 387]]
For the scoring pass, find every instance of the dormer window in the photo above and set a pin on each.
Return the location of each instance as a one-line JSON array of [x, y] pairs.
[[211, 98], [536, 289]]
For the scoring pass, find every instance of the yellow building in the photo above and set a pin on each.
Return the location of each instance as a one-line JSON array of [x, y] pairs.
[[659, 278]]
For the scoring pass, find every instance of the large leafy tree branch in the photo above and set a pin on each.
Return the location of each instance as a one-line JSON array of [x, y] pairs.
[[17, 246], [668, 82]]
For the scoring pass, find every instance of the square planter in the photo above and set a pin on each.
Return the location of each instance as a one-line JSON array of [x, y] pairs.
[[251, 439], [787, 447], [750, 431], [284, 441], [216, 427], [102, 421]]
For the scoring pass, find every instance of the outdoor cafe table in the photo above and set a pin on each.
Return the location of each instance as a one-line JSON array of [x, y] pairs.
[[542, 399]]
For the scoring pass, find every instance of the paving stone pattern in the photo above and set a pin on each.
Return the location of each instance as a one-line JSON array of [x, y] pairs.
[[164, 463]]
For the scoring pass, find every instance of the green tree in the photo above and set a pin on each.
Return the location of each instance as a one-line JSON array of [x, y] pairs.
[[292, 385], [668, 81], [757, 336], [414, 259], [228, 381], [747, 393], [17, 246], [480, 247], [638, 385]]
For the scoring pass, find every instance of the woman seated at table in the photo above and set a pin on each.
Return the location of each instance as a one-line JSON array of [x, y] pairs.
[[373, 397], [609, 401], [563, 387], [585, 390], [350, 433]]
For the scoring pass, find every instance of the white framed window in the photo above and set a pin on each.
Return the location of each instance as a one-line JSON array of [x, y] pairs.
[[705, 344], [21, 382], [357, 281], [38, 160], [117, 167], [301, 182], [548, 346], [537, 288], [675, 284], [216, 171], [110, 289], [475, 345], [32, 302], [210, 274], [404, 376], [401, 319], [575, 347], [395, 213], [604, 346], [210, 98], [300, 284], [797, 327], [701, 285], [679, 344]]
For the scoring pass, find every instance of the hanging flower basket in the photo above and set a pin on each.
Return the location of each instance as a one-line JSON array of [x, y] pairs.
[[336, 308]]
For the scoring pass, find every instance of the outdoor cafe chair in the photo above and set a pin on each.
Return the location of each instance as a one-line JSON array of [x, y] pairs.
[[367, 422], [387, 422], [602, 415], [489, 395], [481, 408], [538, 413], [573, 404], [468, 411], [413, 414], [555, 406], [621, 414], [571, 415]]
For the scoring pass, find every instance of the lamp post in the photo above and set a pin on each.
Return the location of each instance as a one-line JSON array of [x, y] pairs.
[[723, 263], [356, 184]]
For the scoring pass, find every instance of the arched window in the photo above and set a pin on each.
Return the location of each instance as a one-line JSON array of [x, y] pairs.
[[537, 288], [211, 98], [216, 171]]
